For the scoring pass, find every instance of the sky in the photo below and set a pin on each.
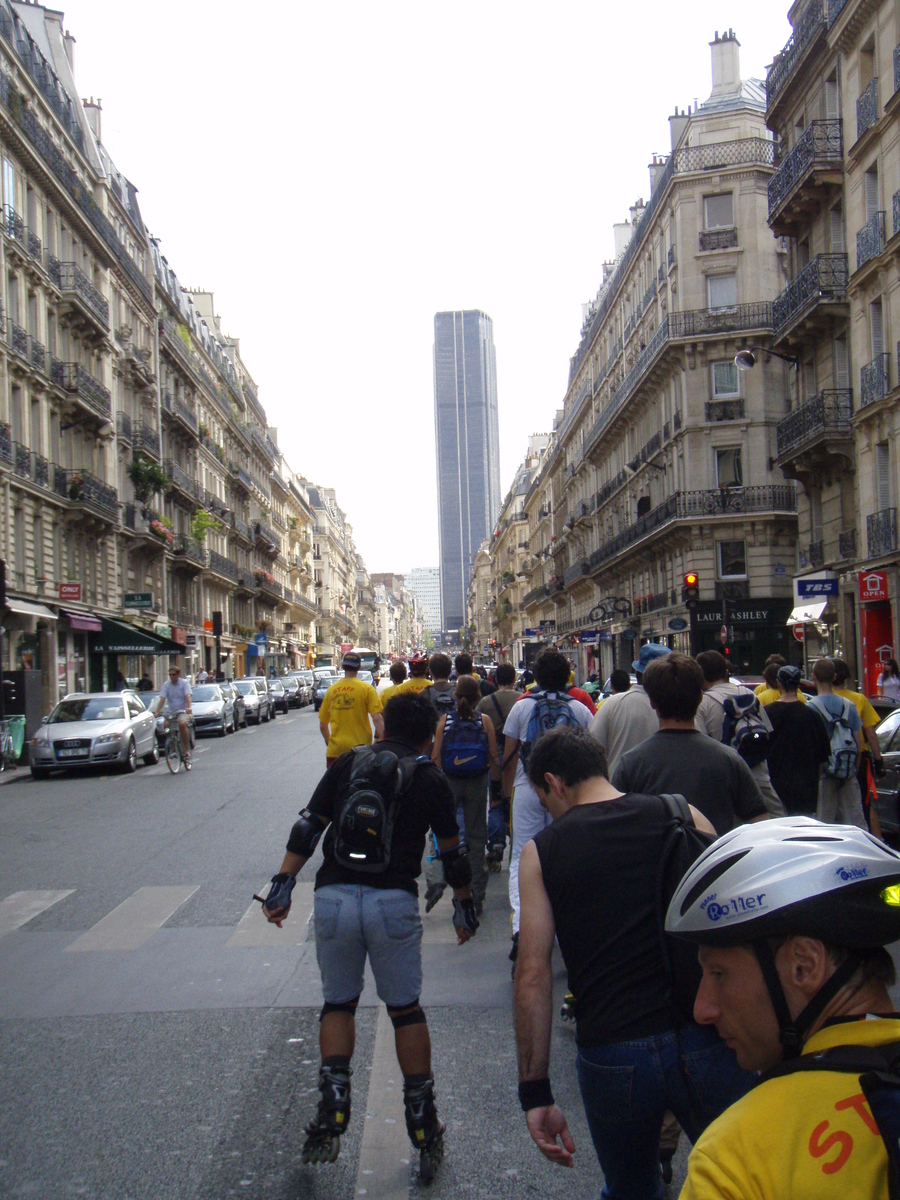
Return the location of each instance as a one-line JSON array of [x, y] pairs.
[[337, 173]]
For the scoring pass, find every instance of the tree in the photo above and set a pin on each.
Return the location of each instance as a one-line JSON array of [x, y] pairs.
[[147, 478]]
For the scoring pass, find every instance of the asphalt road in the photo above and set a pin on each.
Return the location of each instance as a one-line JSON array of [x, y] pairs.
[[159, 1040]]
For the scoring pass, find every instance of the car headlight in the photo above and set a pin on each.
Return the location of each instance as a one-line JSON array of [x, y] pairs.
[[106, 738]]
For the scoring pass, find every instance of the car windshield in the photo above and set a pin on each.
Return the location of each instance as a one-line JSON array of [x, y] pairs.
[[94, 708], [324, 675], [204, 694], [306, 676], [245, 688], [275, 685], [886, 729], [365, 676]]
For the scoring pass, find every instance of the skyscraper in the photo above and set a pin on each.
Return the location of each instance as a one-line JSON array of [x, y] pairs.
[[468, 449]]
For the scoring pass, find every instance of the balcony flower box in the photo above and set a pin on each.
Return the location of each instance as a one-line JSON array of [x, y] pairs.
[[263, 577], [159, 530]]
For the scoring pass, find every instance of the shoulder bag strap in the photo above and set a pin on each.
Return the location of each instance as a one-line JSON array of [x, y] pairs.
[[677, 807]]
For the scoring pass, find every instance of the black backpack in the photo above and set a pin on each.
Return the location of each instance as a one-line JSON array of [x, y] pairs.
[[743, 728], [367, 808], [682, 845], [444, 702]]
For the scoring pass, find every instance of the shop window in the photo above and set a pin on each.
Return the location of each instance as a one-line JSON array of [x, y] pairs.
[[732, 560]]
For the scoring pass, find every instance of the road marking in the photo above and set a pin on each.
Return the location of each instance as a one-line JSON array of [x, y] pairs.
[[21, 907], [437, 926], [385, 1151], [254, 930], [135, 920]]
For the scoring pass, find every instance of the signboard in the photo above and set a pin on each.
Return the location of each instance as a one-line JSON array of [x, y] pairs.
[[590, 637], [808, 589], [208, 626], [260, 639], [629, 634], [723, 635], [873, 585], [606, 635], [70, 591], [799, 631], [135, 599], [678, 623], [780, 569], [528, 633], [190, 641]]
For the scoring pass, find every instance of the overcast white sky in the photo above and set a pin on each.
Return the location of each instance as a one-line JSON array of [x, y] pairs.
[[337, 173]]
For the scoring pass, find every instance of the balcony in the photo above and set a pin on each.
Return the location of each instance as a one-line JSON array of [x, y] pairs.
[[81, 304], [874, 380], [29, 465], [245, 585], [124, 428], [867, 109], [180, 479], [847, 544], [578, 570], [146, 439], [241, 477], [91, 493], [818, 424], [266, 537], [14, 226], [88, 391], [17, 338], [881, 532], [223, 566], [724, 410], [241, 528], [870, 239], [806, 177], [188, 554], [268, 586], [811, 298], [808, 32], [718, 239], [181, 414]]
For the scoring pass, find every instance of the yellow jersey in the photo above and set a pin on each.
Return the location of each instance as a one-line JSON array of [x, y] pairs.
[[867, 713], [766, 695], [415, 685], [386, 694], [346, 709]]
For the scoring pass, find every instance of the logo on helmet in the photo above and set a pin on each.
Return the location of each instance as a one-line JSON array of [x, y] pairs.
[[849, 873], [738, 906]]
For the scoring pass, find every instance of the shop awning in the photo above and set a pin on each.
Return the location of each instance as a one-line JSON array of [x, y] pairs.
[[25, 608], [83, 621], [116, 637], [807, 612]]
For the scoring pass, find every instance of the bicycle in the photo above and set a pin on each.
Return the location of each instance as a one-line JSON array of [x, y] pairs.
[[174, 751], [8, 761]]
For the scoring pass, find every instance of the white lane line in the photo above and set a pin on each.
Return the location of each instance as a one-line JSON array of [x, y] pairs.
[[254, 930], [438, 928], [385, 1152], [21, 907], [135, 920]]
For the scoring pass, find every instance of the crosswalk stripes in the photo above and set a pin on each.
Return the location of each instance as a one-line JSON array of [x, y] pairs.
[[21, 907], [135, 920], [254, 930]]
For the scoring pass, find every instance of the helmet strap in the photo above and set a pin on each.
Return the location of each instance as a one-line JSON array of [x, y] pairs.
[[793, 1031]]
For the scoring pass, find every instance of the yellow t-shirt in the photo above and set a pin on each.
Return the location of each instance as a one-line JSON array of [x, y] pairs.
[[346, 709], [807, 1136], [766, 695], [416, 685], [386, 694], [867, 713]]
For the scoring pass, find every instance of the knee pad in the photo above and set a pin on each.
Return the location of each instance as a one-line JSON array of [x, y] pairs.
[[349, 1006], [415, 1017]]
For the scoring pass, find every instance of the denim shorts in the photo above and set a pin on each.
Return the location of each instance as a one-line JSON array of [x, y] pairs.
[[352, 921]]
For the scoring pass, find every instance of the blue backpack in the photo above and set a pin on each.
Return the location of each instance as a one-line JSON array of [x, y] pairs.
[[548, 710], [464, 747]]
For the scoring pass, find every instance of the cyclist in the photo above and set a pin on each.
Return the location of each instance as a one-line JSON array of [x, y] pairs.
[[177, 692], [792, 918]]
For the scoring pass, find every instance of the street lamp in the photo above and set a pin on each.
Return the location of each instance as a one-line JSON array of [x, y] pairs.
[[745, 360], [632, 468]]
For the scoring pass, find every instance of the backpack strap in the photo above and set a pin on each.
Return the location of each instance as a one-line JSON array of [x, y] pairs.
[[677, 807], [498, 709], [854, 1060]]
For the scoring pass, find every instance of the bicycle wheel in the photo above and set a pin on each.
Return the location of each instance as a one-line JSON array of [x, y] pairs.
[[173, 754]]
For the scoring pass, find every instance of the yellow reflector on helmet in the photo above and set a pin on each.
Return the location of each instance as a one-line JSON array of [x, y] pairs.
[[891, 895]]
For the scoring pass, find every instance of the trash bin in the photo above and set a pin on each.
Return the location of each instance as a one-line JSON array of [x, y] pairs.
[[17, 733]]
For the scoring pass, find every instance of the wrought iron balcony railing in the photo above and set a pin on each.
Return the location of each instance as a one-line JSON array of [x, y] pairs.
[[123, 426], [847, 544], [881, 532], [810, 24], [724, 410], [72, 377], [180, 478], [85, 488], [189, 549], [825, 278], [13, 225], [6, 453], [265, 533], [146, 438], [35, 248], [37, 355], [18, 339], [874, 379], [241, 527], [820, 145], [30, 465], [73, 280], [867, 108], [718, 239], [870, 239], [224, 566], [827, 414]]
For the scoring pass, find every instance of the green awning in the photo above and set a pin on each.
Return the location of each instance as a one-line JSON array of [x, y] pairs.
[[117, 637]]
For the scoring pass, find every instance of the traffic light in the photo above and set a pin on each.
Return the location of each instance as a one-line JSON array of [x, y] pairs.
[[690, 593], [217, 624]]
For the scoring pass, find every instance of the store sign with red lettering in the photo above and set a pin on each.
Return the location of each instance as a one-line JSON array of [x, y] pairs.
[[873, 585], [70, 591]]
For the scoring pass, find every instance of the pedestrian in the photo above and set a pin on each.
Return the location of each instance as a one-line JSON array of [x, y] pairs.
[[465, 748], [619, 682], [345, 711], [677, 758], [442, 693], [551, 672], [418, 675], [871, 762], [580, 694], [793, 977], [839, 798], [121, 683], [202, 675], [397, 674], [627, 719], [770, 678], [498, 705], [798, 747], [590, 880], [463, 665], [710, 719], [889, 681], [375, 916], [145, 683]]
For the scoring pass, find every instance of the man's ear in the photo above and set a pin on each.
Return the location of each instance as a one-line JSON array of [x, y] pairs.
[[807, 963]]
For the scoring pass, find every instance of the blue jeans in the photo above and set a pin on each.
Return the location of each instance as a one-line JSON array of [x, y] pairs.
[[627, 1086]]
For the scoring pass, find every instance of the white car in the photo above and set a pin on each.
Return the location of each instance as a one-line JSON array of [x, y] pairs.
[[92, 729]]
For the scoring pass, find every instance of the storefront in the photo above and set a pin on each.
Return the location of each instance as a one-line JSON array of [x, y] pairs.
[[72, 649], [29, 643], [876, 627], [119, 649], [757, 628]]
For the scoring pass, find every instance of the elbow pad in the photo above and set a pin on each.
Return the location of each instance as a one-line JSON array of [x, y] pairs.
[[457, 868], [305, 834]]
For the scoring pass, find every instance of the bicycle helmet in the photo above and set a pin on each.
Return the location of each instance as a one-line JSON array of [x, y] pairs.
[[792, 877], [418, 664]]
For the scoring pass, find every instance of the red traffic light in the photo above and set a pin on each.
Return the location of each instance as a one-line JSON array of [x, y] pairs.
[[691, 580]]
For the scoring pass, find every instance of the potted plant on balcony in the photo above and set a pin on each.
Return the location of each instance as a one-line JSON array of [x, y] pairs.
[[159, 527], [76, 485], [201, 525], [147, 478]]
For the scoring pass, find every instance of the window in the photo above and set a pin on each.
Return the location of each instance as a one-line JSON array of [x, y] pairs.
[[728, 467], [725, 378], [732, 558], [722, 290], [719, 211], [883, 475], [876, 322], [871, 179]]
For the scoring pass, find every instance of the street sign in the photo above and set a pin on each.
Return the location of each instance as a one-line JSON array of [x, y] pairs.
[[137, 599], [629, 634], [70, 591], [723, 635], [780, 569], [190, 640], [799, 631], [678, 623]]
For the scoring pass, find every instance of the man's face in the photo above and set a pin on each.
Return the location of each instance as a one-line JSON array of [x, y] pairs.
[[733, 996], [173, 676]]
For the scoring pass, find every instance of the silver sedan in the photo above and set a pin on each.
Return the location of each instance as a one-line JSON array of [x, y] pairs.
[[92, 729]]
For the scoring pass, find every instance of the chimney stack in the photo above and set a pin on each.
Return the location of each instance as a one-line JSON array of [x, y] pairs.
[[69, 43], [92, 110], [656, 169], [622, 236], [726, 64], [677, 125]]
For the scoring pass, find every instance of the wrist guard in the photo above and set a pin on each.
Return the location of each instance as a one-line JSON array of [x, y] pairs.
[[535, 1093], [464, 915], [280, 892], [456, 865]]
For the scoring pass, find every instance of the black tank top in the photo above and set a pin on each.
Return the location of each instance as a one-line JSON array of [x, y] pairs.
[[600, 864]]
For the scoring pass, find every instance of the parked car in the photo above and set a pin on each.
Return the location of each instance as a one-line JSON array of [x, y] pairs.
[[309, 685], [888, 787], [151, 699], [293, 689], [90, 729], [324, 680], [213, 710], [240, 708], [256, 698], [277, 696]]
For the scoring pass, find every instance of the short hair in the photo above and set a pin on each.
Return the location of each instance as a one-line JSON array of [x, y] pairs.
[[778, 659], [506, 675], [570, 752], [823, 670], [713, 665], [463, 664], [789, 677], [397, 671], [675, 685], [409, 718], [468, 694], [770, 673], [440, 666], [841, 671], [552, 669], [620, 680]]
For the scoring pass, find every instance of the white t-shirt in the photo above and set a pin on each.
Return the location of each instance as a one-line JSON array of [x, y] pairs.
[[176, 694], [890, 686], [517, 726]]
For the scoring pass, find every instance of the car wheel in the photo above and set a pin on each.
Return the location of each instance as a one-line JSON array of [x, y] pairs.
[[130, 764], [39, 772], [153, 757], [223, 731]]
